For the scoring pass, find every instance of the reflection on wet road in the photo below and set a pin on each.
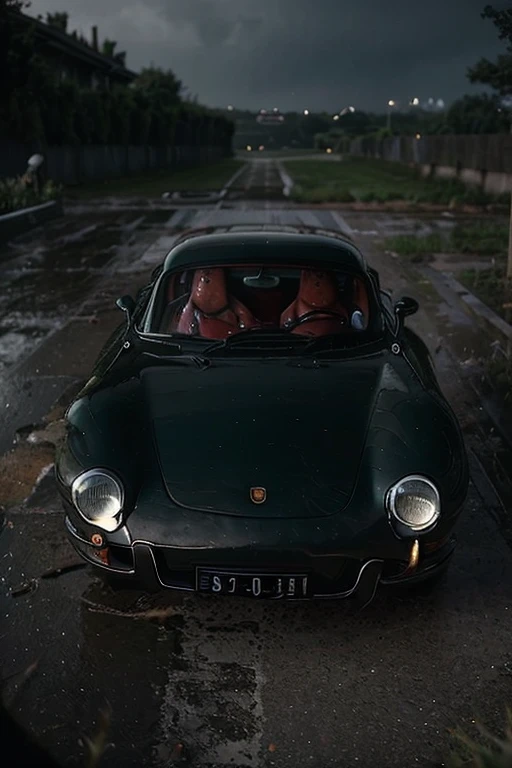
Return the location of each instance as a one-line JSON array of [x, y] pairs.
[[44, 282], [227, 682]]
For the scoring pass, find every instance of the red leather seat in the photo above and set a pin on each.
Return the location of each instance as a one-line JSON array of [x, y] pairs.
[[317, 291], [210, 311]]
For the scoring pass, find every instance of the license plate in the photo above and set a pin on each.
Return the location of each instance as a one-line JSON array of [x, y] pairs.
[[252, 584]]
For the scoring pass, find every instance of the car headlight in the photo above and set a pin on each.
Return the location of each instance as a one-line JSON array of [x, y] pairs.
[[99, 498], [415, 502]]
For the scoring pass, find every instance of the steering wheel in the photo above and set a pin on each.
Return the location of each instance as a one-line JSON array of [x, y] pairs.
[[311, 315]]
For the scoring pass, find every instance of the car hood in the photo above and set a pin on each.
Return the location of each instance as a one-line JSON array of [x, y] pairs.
[[298, 431]]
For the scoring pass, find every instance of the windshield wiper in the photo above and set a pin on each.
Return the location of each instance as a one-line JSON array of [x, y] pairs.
[[257, 338]]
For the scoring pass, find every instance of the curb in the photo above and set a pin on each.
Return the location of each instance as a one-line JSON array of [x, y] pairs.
[[195, 197], [488, 319], [19, 222]]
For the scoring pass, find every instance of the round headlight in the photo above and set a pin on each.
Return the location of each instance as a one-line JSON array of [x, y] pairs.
[[98, 496], [415, 502]]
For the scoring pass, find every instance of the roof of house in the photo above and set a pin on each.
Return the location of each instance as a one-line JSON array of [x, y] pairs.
[[64, 42]]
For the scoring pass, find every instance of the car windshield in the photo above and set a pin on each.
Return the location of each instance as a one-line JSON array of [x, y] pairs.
[[219, 302]]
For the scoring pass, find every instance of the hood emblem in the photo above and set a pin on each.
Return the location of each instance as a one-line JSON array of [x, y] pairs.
[[258, 495]]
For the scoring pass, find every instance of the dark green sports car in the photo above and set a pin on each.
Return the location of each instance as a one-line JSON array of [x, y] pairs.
[[264, 425]]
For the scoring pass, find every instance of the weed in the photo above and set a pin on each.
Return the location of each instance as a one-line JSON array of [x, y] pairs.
[[495, 753], [368, 180]]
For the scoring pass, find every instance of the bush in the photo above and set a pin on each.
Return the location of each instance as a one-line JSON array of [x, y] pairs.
[[16, 194], [35, 105]]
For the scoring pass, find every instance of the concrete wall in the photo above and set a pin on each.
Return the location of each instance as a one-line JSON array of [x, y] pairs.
[[73, 165], [483, 160]]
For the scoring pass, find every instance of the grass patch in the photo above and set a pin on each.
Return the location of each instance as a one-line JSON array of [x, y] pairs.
[[490, 751], [482, 238], [373, 180], [492, 287], [209, 177], [415, 248]]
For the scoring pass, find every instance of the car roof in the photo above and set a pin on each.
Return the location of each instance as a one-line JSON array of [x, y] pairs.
[[274, 244]]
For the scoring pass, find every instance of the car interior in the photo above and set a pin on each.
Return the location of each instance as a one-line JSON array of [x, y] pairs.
[[217, 302]]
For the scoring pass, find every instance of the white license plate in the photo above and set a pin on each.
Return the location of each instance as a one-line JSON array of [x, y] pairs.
[[267, 585]]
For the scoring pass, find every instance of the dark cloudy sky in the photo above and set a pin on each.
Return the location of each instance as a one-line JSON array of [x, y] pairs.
[[293, 54]]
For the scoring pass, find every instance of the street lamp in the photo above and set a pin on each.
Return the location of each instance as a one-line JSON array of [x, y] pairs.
[[391, 104], [306, 111], [414, 102]]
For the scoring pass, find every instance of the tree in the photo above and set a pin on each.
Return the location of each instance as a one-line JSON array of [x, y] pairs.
[[481, 113], [20, 94], [503, 21], [498, 74], [161, 87], [36, 105], [109, 48], [59, 20], [14, 5]]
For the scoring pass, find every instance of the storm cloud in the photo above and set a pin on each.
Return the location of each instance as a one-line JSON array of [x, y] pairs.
[[319, 54]]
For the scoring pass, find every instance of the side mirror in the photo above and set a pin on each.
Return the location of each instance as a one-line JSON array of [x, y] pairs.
[[126, 304], [406, 306]]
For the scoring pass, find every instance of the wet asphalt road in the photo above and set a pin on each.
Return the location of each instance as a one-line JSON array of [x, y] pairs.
[[236, 682]]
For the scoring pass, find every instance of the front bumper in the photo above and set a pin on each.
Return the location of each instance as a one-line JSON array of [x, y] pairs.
[[336, 576]]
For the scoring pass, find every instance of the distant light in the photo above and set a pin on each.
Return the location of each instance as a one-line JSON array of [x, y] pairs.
[[440, 104], [261, 147], [230, 107], [276, 109], [306, 111], [249, 148], [335, 117], [391, 103], [418, 135], [415, 101], [351, 109], [328, 150]]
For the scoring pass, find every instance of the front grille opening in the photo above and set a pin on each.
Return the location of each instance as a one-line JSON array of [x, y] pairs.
[[184, 578], [121, 557]]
